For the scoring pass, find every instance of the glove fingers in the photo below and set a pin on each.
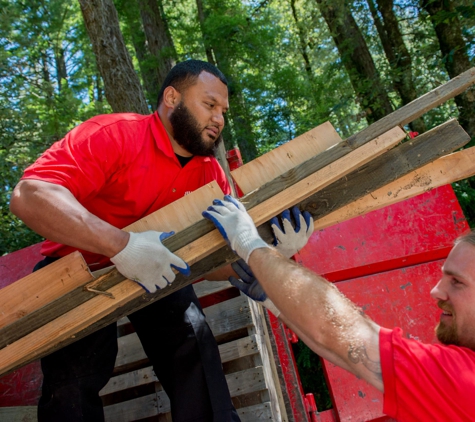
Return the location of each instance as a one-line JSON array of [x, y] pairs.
[[184, 270], [235, 202], [143, 286], [243, 271], [165, 235], [297, 214], [238, 284], [309, 221], [214, 217], [277, 230]]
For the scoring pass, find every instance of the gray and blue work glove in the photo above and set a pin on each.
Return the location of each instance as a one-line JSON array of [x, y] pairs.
[[287, 240], [249, 285], [146, 261], [235, 225]]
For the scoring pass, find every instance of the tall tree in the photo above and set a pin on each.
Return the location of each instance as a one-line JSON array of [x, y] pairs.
[[113, 59], [397, 54], [455, 56], [159, 41], [356, 58], [226, 22]]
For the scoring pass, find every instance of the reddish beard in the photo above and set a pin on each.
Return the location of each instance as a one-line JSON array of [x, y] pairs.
[[447, 334]]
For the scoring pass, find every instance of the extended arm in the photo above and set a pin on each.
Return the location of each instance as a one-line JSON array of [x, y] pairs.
[[53, 212], [329, 323]]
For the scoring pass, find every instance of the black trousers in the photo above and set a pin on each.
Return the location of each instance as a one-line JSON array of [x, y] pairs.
[[177, 340]]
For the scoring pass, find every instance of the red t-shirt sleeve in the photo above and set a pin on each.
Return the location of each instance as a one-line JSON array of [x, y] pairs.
[[82, 161], [426, 381]]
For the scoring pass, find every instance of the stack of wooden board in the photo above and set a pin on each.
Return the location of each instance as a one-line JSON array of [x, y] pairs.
[[327, 180]]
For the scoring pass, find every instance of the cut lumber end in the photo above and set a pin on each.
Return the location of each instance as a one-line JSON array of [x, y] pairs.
[[274, 163]]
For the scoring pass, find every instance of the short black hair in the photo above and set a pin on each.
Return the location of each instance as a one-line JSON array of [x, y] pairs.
[[186, 73]]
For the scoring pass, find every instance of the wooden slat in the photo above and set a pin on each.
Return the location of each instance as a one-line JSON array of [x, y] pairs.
[[229, 351], [18, 414], [38, 289], [451, 168], [267, 167], [243, 382], [396, 163], [228, 316], [205, 287], [131, 351], [416, 108], [256, 413], [179, 214]]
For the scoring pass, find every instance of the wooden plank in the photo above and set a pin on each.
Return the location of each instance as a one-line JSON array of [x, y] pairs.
[[139, 408], [399, 162], [38, 289], [445, 170], [179, 214], [271, 376], [274, 163], [258, 412], [18, 414], [206, 288], [131, 351], [229, 351], [243, 382], [416, 108]]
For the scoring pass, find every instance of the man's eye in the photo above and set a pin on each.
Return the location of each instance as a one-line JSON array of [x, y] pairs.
[[455, 281]]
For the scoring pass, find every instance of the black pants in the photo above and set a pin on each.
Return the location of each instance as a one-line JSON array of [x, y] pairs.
[[180, 346]]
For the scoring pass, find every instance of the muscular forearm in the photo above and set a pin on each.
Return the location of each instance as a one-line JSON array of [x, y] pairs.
[[331, 325], [54, 213]]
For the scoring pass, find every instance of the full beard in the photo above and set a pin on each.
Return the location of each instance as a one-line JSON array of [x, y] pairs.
[[189, 135], [447, 334]]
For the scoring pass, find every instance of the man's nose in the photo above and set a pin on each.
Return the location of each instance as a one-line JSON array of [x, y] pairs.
[[438, 292]]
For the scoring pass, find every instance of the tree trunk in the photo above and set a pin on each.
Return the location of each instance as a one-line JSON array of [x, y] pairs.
[[356, 58], [455, 57], [201, 19], [242, 134], [159, 41], [397, 54], [122, 85], [302, 42]]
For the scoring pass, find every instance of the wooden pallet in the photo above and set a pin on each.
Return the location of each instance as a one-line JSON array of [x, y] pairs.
[[135, 393]]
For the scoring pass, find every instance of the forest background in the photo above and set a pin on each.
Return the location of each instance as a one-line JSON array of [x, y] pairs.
[[291, 65]]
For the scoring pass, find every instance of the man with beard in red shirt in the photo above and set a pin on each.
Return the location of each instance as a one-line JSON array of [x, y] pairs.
[[105, 174]]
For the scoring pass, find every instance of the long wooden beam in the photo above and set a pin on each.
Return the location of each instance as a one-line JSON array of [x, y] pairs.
[[449, 169], [71, 325]]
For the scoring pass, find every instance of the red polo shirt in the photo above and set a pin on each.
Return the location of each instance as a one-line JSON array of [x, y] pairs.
[[121, 167], [426, 382]]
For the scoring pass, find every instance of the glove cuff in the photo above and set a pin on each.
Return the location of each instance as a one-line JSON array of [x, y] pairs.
[[246, 246], [271, 307]]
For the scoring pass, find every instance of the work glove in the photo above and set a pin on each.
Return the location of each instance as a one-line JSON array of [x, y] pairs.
[[149, 263], [249, 285], [287, 240], [235, 225]]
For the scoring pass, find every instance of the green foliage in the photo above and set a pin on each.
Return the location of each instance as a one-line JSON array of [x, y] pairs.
[[311, 375]]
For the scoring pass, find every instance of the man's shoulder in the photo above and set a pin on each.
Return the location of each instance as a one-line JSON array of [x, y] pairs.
[[104, 120]]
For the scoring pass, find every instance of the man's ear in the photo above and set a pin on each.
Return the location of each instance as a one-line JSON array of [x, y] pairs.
[[171, 97]]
